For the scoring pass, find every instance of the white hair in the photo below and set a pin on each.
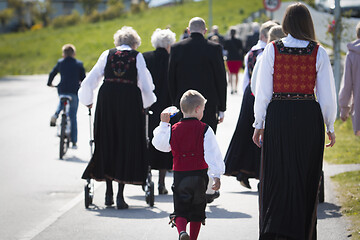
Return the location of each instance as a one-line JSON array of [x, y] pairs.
[[197, 24], [162, 38], [127, 35]]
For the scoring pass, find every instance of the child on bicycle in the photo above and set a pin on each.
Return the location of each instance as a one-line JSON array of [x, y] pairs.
[[72, 72], [195, 151]]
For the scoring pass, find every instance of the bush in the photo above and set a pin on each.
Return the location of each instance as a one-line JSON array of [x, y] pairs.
[[67, 20], [113, 11], [93, 17]]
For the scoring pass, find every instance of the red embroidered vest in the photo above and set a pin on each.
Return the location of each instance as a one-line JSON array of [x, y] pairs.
[[294, 68], [187, 145]]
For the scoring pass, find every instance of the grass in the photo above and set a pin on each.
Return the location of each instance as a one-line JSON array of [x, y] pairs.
[[347, 147], [346, 151], [36, 52], [350, 198]]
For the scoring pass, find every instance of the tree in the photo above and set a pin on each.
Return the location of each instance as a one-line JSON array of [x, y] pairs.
[[42, 12], [19, 10], [89, 5], [6, 15]]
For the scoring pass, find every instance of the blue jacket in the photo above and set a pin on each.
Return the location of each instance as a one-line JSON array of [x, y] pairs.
[[71, 71]]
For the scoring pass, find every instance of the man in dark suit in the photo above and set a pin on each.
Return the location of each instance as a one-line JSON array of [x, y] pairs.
[[196, 63]]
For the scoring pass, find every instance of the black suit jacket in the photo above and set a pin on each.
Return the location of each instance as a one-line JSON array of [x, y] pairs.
[[196, 63]]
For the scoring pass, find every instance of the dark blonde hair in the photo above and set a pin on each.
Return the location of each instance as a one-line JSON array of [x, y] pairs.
[[276, 33], [68, 50], [190, 100], [298, 22]]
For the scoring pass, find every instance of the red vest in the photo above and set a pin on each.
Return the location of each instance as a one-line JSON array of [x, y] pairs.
[[187, 145], [294, 68]]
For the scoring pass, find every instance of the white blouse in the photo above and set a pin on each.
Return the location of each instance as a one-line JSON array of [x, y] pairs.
[[260, 44], [92, 80], [212, 154], [324, 86]]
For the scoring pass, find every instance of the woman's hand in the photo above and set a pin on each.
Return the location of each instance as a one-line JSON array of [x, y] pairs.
[[331, 138], [258, 137], [89, 106], [216, 185]]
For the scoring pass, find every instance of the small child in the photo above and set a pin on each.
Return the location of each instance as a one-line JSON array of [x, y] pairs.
[[72, 72], [195, 155]]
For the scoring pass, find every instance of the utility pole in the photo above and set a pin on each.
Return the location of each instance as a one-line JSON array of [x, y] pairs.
[[336, 47], [210, 15]]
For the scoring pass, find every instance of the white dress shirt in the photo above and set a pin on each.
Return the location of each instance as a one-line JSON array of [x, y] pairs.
[[259, 45], [212, 154], [92, 80], [324, 86]]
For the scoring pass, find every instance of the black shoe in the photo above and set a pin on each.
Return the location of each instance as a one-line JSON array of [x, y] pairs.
[[184, 236], [245, 183], [211, 197], [109, 200], [162, 190], [121, 204]]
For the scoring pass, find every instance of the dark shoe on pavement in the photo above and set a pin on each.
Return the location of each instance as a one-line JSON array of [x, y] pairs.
[[162, 190], [121, 204], [109, 200], [184, 236], [74, 146], [245, 183], [211, 197]]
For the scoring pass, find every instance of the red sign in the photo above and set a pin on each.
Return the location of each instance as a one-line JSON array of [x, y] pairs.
[[272, 5]]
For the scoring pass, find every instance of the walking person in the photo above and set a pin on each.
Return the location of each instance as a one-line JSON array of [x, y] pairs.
[[349, 95], [157, 63], [72, 72], [197, 63], [242, 158], [289, 122], [119, 128], [197, 158], [234, 59]]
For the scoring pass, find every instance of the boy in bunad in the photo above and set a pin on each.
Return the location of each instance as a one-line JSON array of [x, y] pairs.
[[196, 158]]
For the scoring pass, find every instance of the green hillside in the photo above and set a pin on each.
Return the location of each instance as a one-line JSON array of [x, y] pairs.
[[36, 52]]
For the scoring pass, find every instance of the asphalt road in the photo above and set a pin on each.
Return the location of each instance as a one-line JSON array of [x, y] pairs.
[[42, 196]]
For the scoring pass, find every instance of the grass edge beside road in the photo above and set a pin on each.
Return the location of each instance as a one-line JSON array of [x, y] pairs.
[[347, 151]]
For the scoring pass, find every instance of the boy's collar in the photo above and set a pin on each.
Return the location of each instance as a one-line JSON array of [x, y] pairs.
[[189, 118]]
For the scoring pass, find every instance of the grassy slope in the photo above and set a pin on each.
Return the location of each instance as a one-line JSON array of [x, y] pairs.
[[347, 147], [37, 52]]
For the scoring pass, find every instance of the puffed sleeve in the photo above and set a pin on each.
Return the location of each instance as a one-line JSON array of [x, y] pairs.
[[212, 155], [346, 89], [325, 89], [145, 82], [161, 139], [92, 80], [264, 86]]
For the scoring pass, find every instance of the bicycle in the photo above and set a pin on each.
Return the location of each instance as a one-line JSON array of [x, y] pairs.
[[64, 130]]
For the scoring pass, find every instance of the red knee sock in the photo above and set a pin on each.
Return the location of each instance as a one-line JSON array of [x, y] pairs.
[[181, 224], [194, 230]]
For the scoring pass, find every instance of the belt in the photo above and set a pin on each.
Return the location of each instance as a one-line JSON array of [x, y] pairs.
[[292, 96], [119, 80]]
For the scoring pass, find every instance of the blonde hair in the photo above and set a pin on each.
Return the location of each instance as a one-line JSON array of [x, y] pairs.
[[276, 33], [128, 36], [68, 50], [162, 38], [265, 28], [190, 100]]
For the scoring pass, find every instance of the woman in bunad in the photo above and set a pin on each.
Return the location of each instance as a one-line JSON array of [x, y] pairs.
[[289, 126], [242, 158], [119, 129], [157, 63]]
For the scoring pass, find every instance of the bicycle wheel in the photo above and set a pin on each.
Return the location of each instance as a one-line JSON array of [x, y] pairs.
[[64, 141]]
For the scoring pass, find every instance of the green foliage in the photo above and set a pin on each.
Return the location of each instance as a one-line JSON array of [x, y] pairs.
[[347, 147], [6, 15], [66, 20], [93, 17], [89, 6], [37, 52], [350, 198], [114, 10]]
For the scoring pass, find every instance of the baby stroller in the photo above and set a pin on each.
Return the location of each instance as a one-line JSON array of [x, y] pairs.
[[148, 187]]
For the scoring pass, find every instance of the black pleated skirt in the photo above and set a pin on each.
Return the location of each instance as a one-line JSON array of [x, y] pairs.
[[243, 156], [119, 134], [291, 169]]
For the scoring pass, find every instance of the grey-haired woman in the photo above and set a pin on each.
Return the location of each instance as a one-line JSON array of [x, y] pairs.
[[119, 121]]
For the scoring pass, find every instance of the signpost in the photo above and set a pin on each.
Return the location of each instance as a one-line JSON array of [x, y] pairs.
[[271, 6]]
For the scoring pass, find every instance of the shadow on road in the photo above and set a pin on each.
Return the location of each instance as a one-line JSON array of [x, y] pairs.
[[216, 212], [328, 210], [247, 193], [74, 159], [134, 212], [158, 198]]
